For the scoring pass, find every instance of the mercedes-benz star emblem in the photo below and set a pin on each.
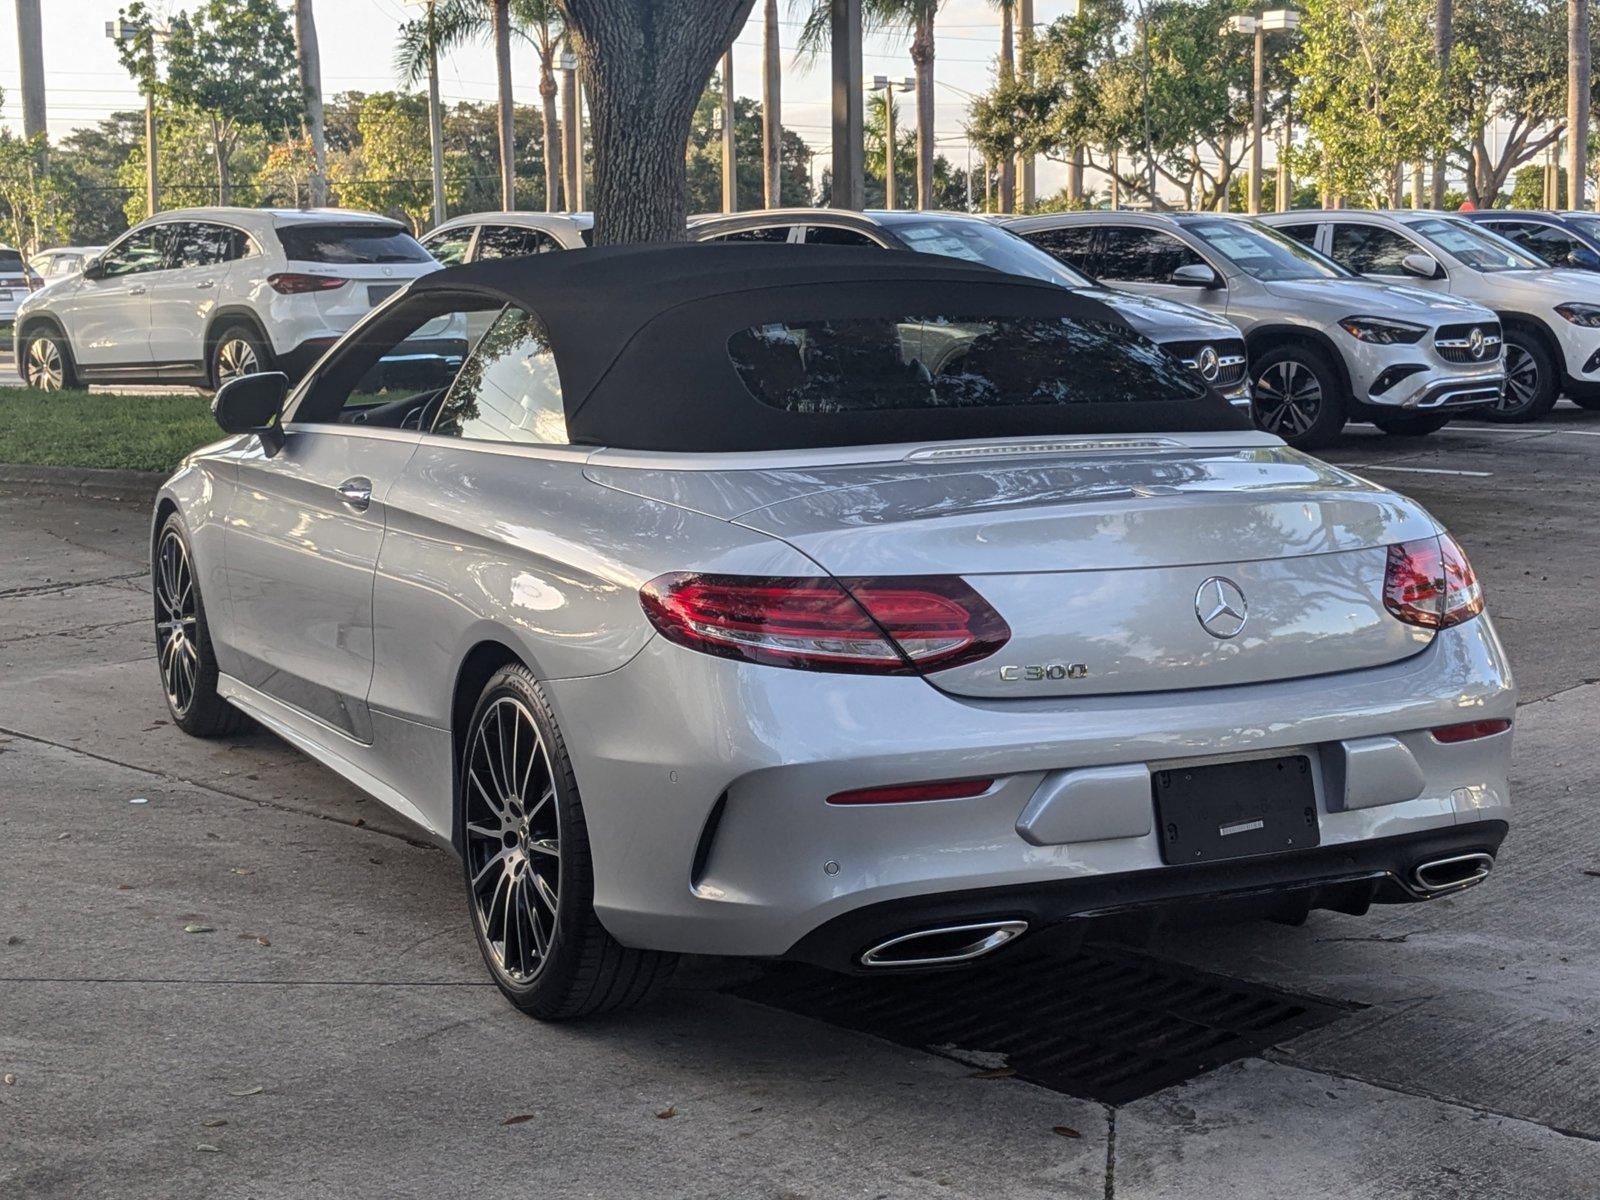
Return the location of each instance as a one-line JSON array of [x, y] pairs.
[[1221, 607], [1209, 363], [1475, 343]]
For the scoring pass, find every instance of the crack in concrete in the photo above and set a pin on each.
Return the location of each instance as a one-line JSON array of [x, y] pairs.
[[1111, 1152], [77, 631], [1284, 1059], [45, 589], [357, 823]]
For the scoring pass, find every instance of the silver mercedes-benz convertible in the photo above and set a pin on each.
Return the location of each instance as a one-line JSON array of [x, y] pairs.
[[846, 606]]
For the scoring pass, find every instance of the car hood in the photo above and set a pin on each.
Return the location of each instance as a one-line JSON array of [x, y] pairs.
[[1361, 297], [1162, 320], [1550, 286]]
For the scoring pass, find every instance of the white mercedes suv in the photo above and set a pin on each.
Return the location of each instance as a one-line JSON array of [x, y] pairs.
[[200, 295]]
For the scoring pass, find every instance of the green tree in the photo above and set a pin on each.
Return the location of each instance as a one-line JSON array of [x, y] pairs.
[[186, 161], [232, 63], [32, 212], [87, 162], [703, 156], [391, 170]]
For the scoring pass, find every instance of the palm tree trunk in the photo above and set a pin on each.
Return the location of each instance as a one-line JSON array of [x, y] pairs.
[[1008, 166], [1577, 101], [502, 64], [1025, 187], [552, 142], [1443, 38], [30, 47], [310, 62], [922, 50], [771, 106]]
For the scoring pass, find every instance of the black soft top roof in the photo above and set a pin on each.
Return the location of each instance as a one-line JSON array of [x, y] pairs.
[[640, 337]]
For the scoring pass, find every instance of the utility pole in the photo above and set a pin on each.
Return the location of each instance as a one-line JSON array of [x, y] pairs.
[[882, 83], [30, 50], [1577, 102], [849, 185], [771, 110], [570, 134], [1025, 163], [148, 73], [435, 119], [1285, 146], [310, 61], [730, 165], [501, 16]]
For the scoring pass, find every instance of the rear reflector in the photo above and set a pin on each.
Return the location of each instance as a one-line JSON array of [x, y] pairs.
[[892, 625], [1430, 583], [907, 793], [294, 283], [1469, 731]]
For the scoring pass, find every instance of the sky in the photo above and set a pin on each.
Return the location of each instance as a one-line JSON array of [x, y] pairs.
[[85, 82]]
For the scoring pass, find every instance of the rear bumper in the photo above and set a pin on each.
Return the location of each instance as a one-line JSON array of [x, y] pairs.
[[704, 782]]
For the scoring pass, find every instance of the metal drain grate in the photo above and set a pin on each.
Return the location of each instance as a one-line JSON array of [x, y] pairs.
[[1103, 1024]]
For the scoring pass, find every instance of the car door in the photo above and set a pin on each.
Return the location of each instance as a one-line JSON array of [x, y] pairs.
[[198, 257], [107, 318], [1142, 260], [307, 525], [1377, 251]]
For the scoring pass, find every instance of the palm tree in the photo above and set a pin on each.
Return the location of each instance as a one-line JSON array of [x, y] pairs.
[[1577, 101], [305, 44], [1443, 37], [417, 54], [1008, 68], [771, 103], [540, 21]]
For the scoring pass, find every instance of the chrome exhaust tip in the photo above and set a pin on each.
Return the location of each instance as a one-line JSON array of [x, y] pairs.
[[1440, 875], [943, 945]]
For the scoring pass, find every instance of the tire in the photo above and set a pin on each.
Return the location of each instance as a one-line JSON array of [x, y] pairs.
[[1532, 381], [1411, 424], [1299, 395], [184, 656], [527, 869], [46, 360], [239, 349]]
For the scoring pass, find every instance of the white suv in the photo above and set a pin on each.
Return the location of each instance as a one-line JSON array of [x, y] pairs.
[[200, 295]]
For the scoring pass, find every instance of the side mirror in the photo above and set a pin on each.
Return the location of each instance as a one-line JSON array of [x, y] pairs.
[[92, 269], [1198, 275], [253, 404], [1423, 266], [1584, 259]]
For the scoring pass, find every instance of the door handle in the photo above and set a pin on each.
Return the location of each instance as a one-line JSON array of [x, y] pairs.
[[356, 492], [206, 283]]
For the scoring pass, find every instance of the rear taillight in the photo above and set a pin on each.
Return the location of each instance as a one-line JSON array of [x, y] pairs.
[[912, 793], [1469, 731], [890, 625], [1430, 583], [295, 283]]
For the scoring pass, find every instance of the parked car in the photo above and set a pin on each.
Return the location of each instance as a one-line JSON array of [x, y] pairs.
[[16, 281], [476, 237], [1550, 316], [1206, 343], [61, 261], [200, 295], [876, 611], [1325, 345], [1558, 239]]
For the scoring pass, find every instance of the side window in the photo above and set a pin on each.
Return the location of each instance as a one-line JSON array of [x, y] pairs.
[[1306, 234], [765, 233], [832, 235], [1071, 245], [449, 246], [1142, 255], [133, 255], [513, 241], [201, 244], [1370, 249], [508, 389], [1553, 245]]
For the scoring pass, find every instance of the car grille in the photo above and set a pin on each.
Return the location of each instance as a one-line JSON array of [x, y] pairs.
[[1230, 359], [1454, 342]]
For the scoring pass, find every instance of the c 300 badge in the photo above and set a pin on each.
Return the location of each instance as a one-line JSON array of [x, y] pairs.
[[1034, 674]]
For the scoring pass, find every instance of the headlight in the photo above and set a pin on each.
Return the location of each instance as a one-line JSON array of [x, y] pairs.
[[1382, 333], [1587, 315]]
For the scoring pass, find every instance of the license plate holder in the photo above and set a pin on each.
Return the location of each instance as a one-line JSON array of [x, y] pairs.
[[1236, 809]]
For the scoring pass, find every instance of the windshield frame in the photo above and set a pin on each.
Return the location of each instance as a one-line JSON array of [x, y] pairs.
[[1319, 266], [1022, 256], [1413, 225]]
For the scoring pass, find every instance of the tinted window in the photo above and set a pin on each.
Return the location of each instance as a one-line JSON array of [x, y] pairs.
[[981, 242], [1070, 245], [766, 233], [1371, 249], [134, 255], [449, 246], [508, 389], [1306, 235], [201, 244], [1142, 255], [1261, 253], [864, 364], [367, 242], [830, 235], [513, 241], [1553, 245], [10, 260], [1473, 247]]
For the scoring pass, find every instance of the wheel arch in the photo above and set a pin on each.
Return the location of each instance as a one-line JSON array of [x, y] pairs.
[[231, 315], [477, 668], [1264, 338], [1541, 332]]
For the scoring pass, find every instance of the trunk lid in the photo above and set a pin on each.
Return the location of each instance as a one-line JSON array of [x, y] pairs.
[[1110, 564]]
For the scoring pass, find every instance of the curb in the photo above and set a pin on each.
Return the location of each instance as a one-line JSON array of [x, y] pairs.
[[84, 483]]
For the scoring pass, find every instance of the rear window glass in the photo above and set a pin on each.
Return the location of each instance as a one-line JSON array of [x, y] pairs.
[[364, 243], [10, 260], [864, 364]]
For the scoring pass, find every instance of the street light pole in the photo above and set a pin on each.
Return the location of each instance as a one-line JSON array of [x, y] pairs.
[[730, 172], [121, 31], [1273, 21], [882, 83]]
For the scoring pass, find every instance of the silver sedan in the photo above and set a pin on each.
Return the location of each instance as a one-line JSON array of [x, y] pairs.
[[849, 606]]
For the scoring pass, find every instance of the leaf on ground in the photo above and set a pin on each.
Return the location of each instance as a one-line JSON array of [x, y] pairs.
[[1066, 1131], [994, 1073], [1591, 874], [124, 887], [518, 1119], [254, 1091], [206, 1148], [214, 1123], [199, 929], [10, 1079], [139, 800], [261, 941], [666, 1114]]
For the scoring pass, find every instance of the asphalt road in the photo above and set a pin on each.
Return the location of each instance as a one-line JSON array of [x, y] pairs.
[[329, 1033]]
